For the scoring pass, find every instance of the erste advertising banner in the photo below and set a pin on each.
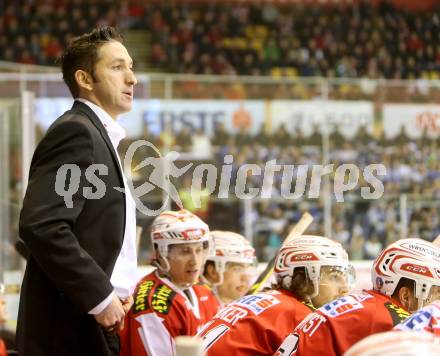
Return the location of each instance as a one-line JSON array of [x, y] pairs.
[[157, 114]]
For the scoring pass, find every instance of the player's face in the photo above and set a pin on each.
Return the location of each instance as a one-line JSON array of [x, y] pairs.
[[186, 262], [113, 88], [434, 294], [333, 285], [236, 282]]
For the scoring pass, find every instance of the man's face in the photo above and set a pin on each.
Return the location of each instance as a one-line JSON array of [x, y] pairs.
[[114, 79], [185, 262], [236, 282], [333, 285], [434, 294]]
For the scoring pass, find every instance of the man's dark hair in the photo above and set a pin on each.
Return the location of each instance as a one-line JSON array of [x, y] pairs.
[[82, 53], [205, 268], [301, 284]]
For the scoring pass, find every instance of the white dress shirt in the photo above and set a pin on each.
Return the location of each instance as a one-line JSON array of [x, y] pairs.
[[124, 276]]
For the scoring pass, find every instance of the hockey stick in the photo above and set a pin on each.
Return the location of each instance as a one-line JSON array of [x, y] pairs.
[[300, 227]]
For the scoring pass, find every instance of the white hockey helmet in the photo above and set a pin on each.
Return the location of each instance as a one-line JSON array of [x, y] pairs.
[[312, 253], [394, 343], [415, 259], [230, 247], [179, 227]]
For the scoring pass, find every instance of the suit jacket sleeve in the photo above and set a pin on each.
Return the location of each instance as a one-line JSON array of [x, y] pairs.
[[48, 227]]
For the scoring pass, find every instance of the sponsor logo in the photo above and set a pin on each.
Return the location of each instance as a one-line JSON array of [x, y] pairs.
[[258, 303], [422, 270], [141, 298], [304, 257], [397, 313], [162, 299], [424, 250], [418, 321], [341, 306]]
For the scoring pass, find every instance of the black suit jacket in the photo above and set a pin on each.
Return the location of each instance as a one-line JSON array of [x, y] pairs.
[[72, 250]]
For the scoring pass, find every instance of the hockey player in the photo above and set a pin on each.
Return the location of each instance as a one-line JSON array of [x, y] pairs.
[[405, 277], [310, 271], [167, 302], [229, 271]]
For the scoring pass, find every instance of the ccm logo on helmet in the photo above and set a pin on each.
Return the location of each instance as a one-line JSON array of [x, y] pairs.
[[417, 269], [304, 257], [195, 234]]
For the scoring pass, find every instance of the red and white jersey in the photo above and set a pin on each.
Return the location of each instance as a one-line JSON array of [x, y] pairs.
[[253, 325], [425, 319], [162, 311], [213, 289], [336, 326]]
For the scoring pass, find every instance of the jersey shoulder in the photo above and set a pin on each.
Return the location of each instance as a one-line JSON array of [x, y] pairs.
[[206, 297], [396, 312], [202, 290], [261, 303], [153, 295]]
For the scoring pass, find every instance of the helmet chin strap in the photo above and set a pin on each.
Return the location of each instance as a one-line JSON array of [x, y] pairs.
[[162, 269], [315, 289]]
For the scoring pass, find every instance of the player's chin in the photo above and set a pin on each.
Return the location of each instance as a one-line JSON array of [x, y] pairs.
[[240, 291], [340, 295], [192, 277]]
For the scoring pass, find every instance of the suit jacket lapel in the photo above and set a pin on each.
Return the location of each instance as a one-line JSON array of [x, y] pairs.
[[81, 107]]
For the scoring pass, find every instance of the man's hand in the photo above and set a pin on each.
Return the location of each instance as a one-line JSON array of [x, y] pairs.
[[127, 303], [112, 317]]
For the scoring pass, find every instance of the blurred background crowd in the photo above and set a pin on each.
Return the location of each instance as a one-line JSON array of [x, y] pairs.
[[372, 40], [369, 40], [362, 226]]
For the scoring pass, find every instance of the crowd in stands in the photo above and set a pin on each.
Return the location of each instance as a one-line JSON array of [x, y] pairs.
[[364, 227], [344, 41], [35, 32], [235, 38]]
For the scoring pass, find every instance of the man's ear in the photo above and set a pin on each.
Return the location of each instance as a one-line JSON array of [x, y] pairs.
[[407, 299], [84, 80]]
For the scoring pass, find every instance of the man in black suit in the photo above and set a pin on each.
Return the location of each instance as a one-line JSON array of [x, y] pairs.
[[82, 264]]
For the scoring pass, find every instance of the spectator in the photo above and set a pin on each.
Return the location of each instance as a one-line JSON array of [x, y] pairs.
[[373, 246], [201, 145], [183, 139], [220, 136]]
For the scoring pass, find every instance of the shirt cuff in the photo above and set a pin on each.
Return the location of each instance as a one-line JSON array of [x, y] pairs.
[[101, 306]]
